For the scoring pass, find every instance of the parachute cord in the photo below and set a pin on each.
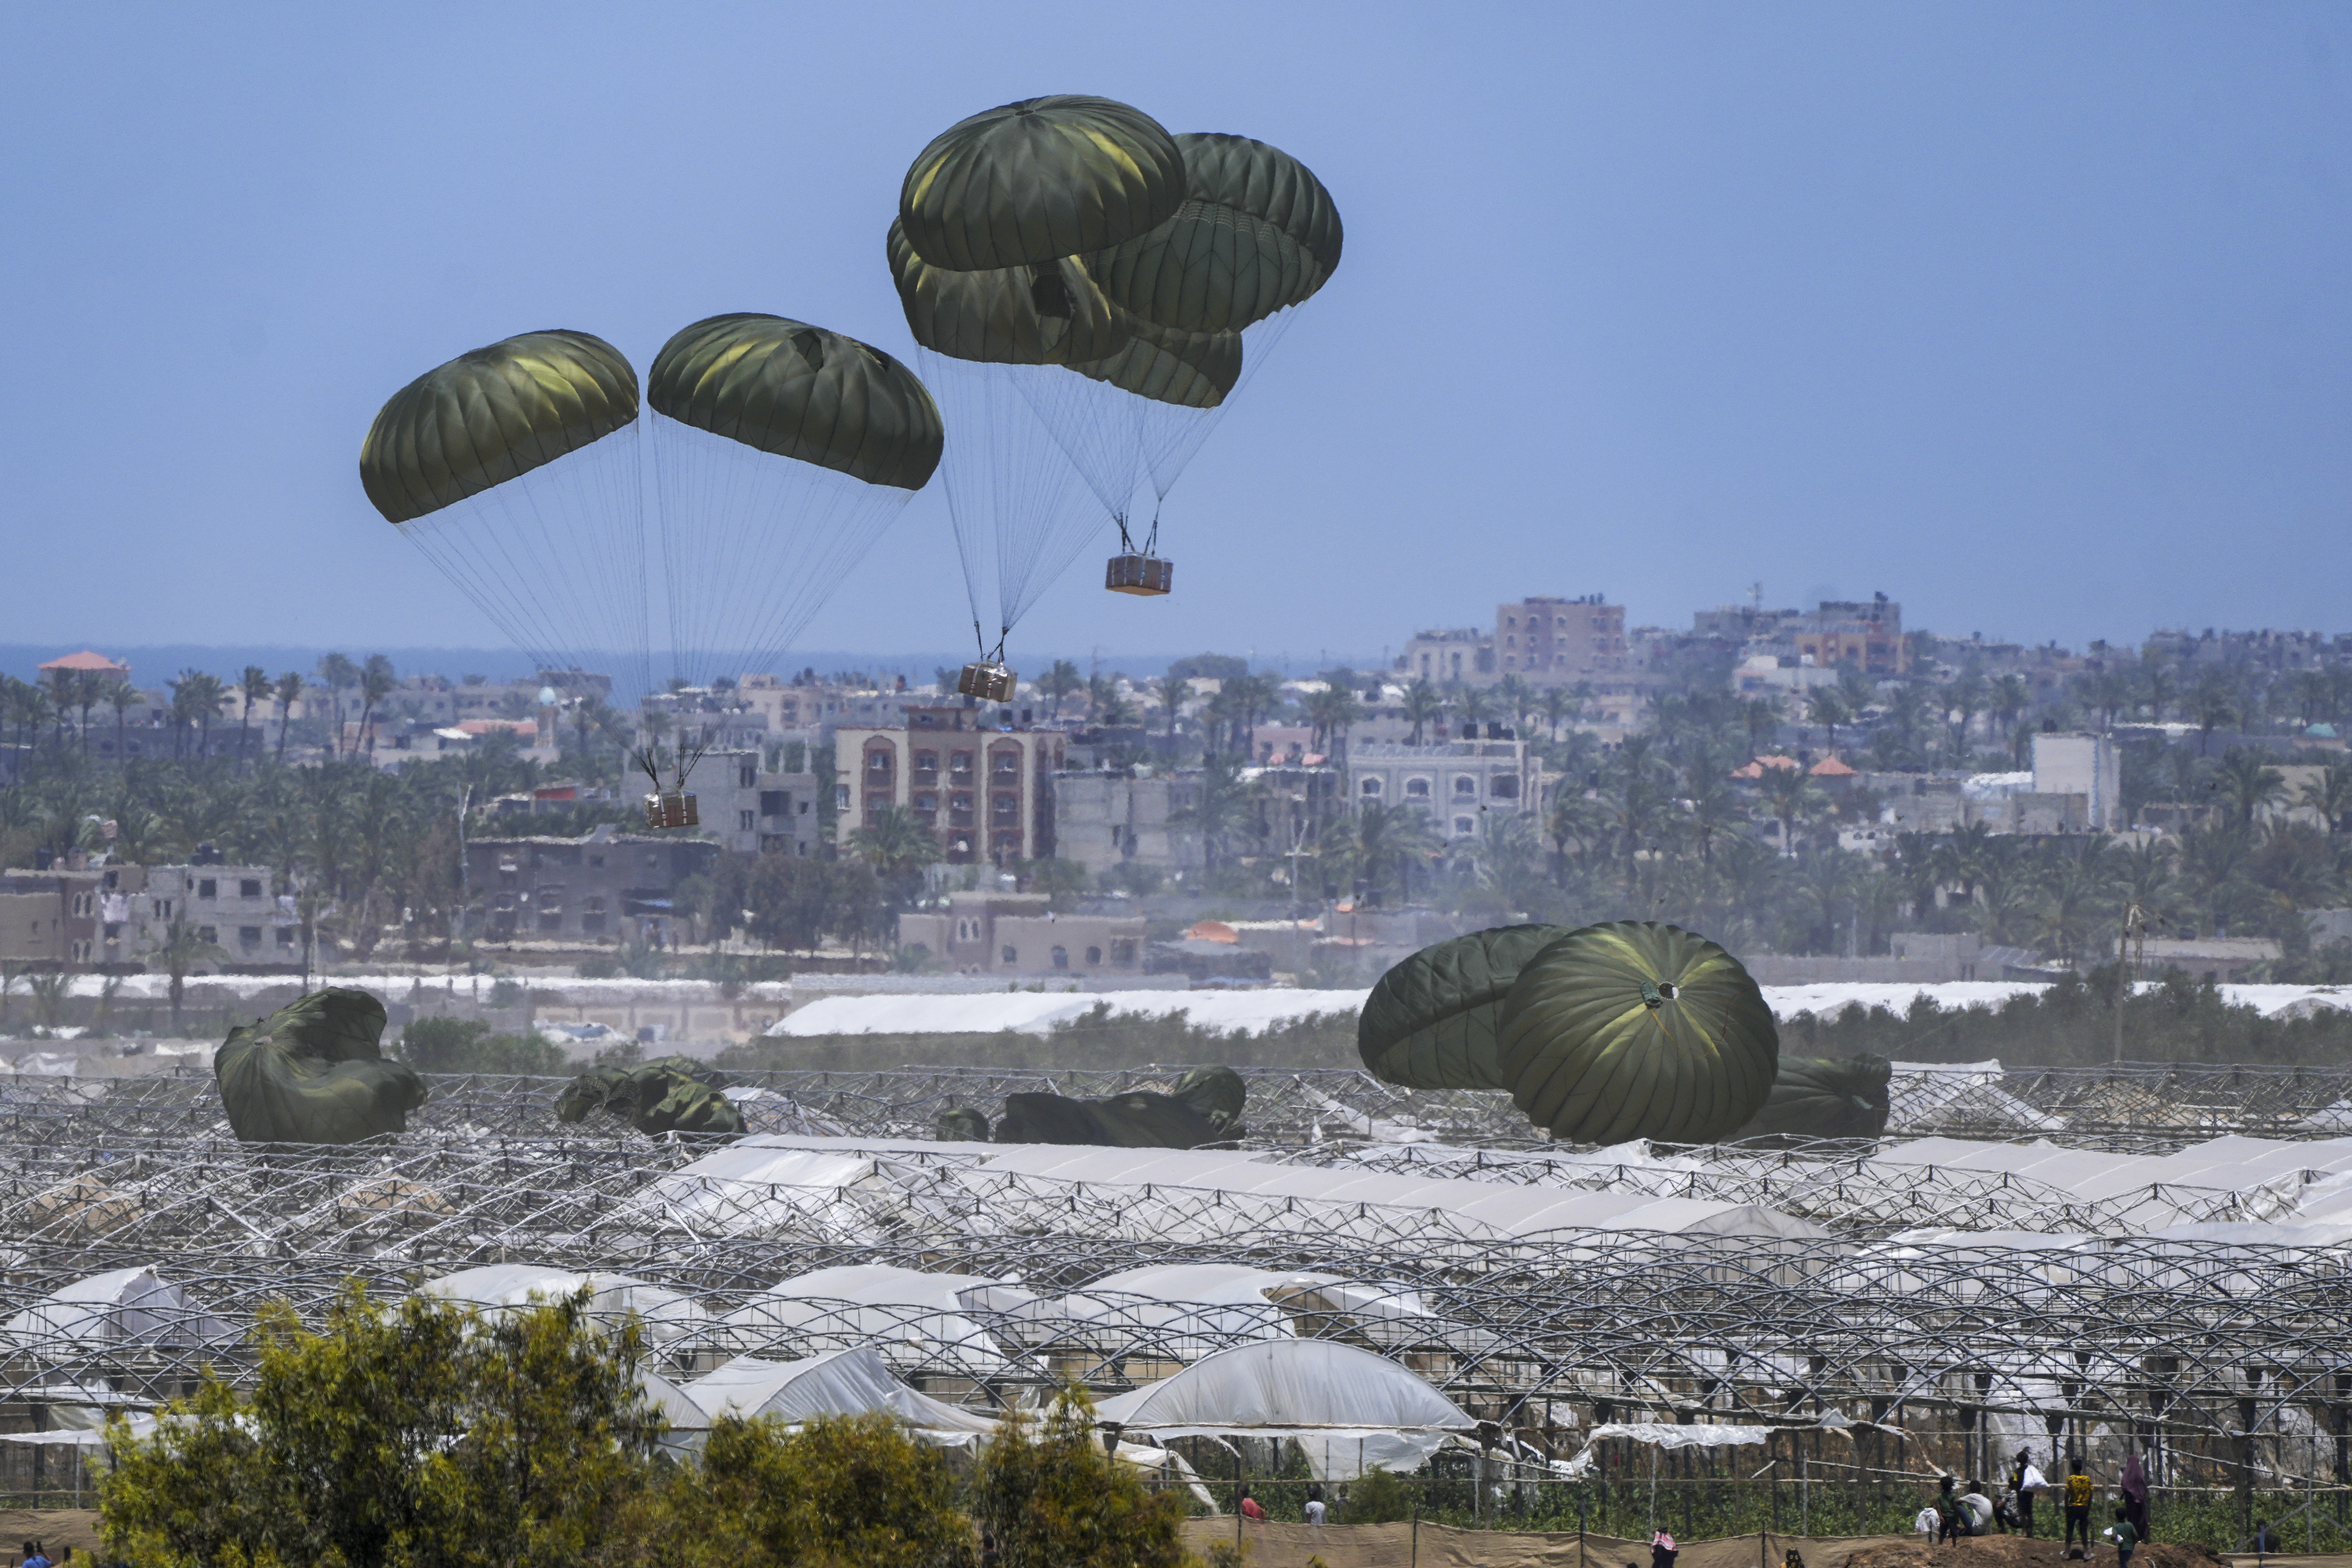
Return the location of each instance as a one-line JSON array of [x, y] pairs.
[[1151, 540], [1125, 544]]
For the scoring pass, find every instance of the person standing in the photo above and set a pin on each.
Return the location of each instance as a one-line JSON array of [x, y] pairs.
[[1662, 1550], [2126, 1537], [1316, 1512], [2133, 1484], [2028, 1481], [1250, 1508], [1948, 1509], [2078, 1505]]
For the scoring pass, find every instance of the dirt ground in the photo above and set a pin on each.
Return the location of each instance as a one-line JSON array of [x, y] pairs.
[[2016, 1552], [54, 1528], [1272, 1545]]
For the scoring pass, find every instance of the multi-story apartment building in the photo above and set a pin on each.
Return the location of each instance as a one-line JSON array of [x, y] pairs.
[[76, 915], [986, 790], [1105, 820], [1868, 633], [1540, 639], [753, 810], [1015, 934], [1548, 640], [1459, 784], [601, 887]]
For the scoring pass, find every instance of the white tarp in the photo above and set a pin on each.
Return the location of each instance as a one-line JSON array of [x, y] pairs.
[[1036, 1013], [1663, 1435], [125, 1305], [914, 1316], [668, 1315], [1348, 1409], [843, 1383]]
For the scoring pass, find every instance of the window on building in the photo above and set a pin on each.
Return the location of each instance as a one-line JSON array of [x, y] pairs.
[[746, 821], [1464, 825], [1006, 763], [959, 763], [747, 774], [286, 936], [1369, 789], [927, 762], [207, 933], [208, 889], [1012, 954], [163, 909], [248, 887], [878, 761], [1464, 786], [1122, 949], [1093, 955], [1006, 805], [1416, 789], [1504, 786], [1061, 956], [927, 801], [248, 936], [114, 930]]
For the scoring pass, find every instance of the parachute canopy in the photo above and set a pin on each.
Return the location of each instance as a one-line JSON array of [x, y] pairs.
[[1434, 1021], [1205, 1107], [493, 415], [1033, 181], [311, 1073], [1826, 1097], [1258, 233], [1635, 1029], [793, 390], [665, 1095]]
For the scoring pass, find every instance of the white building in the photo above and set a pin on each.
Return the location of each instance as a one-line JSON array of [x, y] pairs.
[[1459, 784], [2084, 765]]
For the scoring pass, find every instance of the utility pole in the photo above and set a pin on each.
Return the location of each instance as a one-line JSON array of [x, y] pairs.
[[2134, 928]]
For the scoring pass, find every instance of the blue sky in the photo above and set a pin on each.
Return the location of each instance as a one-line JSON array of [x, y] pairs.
[[2035, 317]]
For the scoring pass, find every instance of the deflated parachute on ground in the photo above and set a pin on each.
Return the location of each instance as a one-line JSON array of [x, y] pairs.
[[311, 1073], [1826, 1097], [491, 416], [1635, 1029], [1435, 1020], [1205, 1106], [666, 1095]]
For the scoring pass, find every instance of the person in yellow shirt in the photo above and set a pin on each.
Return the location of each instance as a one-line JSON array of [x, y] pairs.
[[2078, 1505]]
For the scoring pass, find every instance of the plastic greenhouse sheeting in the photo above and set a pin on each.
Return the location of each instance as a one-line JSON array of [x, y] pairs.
[[669, 1314], [906, 1313], [1348, 1409], [122, 1307], [842, 1383]]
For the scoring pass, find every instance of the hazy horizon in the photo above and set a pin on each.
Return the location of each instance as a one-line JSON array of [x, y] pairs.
[[2032, 318]]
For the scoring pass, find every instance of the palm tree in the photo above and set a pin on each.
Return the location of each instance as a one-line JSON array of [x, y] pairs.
[[2075, 889], [1059, 681], [1555, 708], [894, 842], [1422, 703], [1517, 697], [2158, 681], [122, 697], [2249, 782], [1223, 806], [254, 685], [289, 692], [336, 673], [1475, 705], [2330, 795], [377, 682], [1331, 713], [89, 691], [2211, 704], [197, 700], [2011, 697], [1387, 834], [183, 948], [1963, 700], [1827, 707], [1173, 690], [1760, 716], [1791, 797]]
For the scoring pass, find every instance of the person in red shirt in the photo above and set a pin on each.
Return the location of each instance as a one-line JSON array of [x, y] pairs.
[[1250, 1509]]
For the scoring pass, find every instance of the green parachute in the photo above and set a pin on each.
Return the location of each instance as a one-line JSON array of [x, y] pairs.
[[311, 1072], [1630, 1030], [1435, 1021], [667, 1094], [1826, 1097]]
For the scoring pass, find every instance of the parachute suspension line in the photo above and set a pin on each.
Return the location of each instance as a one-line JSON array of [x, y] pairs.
[[1018, 511], [1173, 436]]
